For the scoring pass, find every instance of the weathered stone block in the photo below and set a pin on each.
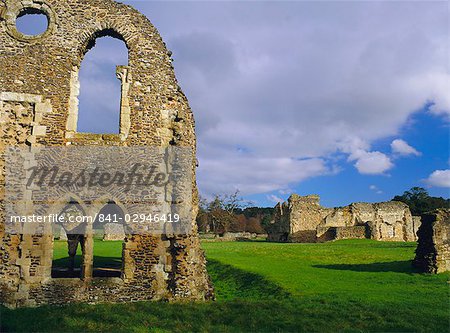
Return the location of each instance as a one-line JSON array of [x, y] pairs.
[[39, 130]]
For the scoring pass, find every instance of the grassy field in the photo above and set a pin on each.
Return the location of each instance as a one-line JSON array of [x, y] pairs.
[[106, 254], [353, 286]]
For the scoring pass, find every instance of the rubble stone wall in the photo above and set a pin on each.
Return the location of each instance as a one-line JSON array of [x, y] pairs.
[[306, 221], [296, 219], [354, 232], [39, 89], [305, 212], [417, 221], [280, 225], [336, 233], [433, 246]]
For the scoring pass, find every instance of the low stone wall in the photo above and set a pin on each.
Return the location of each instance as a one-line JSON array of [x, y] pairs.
[[237, 236], [433, 248], [304, 236], [336, 233], [278, 237], [355, 232]]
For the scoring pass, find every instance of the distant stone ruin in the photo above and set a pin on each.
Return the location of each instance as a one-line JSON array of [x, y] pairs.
[[303, 219], [433, 248], [39, 87], [114, 232]]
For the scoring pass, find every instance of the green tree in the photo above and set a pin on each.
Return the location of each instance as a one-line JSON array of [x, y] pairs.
[[419, 201]]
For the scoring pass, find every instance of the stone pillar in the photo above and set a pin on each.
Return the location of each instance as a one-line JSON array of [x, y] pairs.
[[87, 266], [123, 74], [433, 248]]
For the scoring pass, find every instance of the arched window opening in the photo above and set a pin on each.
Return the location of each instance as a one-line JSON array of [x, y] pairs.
[[100, 94], [109, 236], [69, 244]]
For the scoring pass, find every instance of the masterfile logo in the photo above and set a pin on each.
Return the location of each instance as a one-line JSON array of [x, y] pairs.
[[143, 189]]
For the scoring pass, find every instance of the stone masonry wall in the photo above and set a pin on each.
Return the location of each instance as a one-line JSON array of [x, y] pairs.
[[305, 212], [39, 107], [307, 221], [392, 221], [433, 248], [336, 233], [279, 229], [295, 219]]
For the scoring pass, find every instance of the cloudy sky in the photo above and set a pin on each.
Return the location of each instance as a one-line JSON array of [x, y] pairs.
[[346, 99]]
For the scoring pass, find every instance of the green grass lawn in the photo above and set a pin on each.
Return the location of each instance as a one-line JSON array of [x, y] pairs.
[[354, 286], [106, 254]]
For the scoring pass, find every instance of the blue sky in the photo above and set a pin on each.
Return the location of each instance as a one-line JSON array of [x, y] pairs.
[[424, 131], [346, 99]]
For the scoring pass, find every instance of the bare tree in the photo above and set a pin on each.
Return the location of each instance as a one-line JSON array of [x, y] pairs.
[[220, 212]]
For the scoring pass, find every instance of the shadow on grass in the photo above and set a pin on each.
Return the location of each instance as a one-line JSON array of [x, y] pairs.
[[64, 262], [102, 262], [231, 282], [228, 316], [247, 302], [103, 267], [391, 266]]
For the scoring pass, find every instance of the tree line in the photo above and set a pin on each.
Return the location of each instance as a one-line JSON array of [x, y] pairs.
[[231, 213], [419, 201]]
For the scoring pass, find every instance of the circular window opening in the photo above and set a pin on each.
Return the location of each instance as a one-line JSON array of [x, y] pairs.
[[32, 22]]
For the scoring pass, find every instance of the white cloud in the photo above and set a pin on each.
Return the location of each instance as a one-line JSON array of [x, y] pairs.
[[401, 147], [251, 174], [373, 163], [375, 189], [368, 162], [274, 198], [316, 80], [439, 178]]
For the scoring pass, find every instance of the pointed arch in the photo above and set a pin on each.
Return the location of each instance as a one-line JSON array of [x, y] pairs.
[[98, 103], [111, 221]]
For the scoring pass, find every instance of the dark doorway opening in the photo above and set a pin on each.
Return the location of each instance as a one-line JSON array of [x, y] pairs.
[[68, 252], [109, 236]]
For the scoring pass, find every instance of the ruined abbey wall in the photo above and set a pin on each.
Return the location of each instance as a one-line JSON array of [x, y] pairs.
[[39, 87], [297, 219], [385, 220], [433, 248], [304, 220]]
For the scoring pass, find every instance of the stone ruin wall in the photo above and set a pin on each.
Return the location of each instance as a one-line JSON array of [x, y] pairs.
[[433, 248], [296, 219], [384, 221], [417, 221], [305, 215], [280, 231], [336, 233], [39, 107], [392, 221], [307, 221]]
